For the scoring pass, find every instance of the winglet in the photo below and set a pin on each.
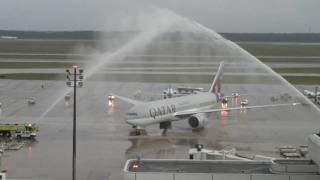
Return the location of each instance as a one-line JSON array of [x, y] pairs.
[[128, 100]]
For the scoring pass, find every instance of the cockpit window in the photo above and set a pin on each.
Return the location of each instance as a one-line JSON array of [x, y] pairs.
[[132, 114]]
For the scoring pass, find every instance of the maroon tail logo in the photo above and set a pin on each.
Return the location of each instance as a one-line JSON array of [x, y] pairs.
[[217, 90]]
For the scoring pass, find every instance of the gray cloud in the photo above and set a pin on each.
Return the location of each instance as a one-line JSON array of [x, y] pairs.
[[220, 15]]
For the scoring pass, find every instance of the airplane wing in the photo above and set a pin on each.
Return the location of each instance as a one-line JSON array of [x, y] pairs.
[[131, 101], [196, 111], [241, 95]]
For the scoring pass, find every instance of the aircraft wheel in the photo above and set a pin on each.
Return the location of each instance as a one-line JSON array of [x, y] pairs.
[[138, 132]]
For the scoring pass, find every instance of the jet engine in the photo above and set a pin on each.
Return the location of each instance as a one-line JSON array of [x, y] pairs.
[[198, 121]]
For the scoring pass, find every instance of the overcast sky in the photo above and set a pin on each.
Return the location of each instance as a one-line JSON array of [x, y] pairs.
[[220, 15]]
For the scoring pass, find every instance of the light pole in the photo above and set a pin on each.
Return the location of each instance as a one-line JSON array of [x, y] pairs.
[[316, 95], [74, 79]]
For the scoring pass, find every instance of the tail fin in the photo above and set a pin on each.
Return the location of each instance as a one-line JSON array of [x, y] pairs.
[[216, 84]]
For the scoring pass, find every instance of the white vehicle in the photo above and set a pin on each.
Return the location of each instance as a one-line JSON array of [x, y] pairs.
[[180, 91], [244, 102], [111, 100], [25, 134], [195, 108], [235, 94], [189, 90], [31, 101], [310, 94], [169, 93]]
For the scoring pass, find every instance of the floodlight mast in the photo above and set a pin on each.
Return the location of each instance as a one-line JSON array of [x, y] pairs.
[[316, 94], [74, 80]]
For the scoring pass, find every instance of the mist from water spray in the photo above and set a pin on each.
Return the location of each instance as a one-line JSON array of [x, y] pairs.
[[236, 51], [163, 21]]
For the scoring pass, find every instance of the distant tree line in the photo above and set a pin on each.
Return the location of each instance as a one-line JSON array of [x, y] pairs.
[[273, 37], [91, 35], [49, 34]]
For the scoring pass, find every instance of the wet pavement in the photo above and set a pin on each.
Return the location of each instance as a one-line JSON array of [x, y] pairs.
[[104, 140]]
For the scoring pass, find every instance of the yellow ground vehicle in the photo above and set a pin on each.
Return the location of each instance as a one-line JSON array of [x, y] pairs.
[[18, 130]]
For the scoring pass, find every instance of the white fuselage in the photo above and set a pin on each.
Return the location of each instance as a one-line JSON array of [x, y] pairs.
[[164, 110]]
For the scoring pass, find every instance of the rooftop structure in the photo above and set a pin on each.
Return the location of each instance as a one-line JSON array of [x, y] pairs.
[[281, 169]]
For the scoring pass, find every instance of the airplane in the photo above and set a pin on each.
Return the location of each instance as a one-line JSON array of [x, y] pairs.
[[196, 108], [310, 94]]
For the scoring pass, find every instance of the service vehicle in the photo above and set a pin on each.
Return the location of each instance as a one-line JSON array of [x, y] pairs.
[[244, 102], [31, 100], [18, 130], [111, 99]]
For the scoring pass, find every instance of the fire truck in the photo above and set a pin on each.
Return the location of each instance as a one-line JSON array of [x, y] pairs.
[[18, 130]]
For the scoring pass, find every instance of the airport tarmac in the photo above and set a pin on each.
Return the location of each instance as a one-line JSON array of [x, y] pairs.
[[105, 141]]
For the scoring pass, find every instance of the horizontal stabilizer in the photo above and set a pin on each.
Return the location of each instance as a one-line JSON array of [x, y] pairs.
[[128, 100]]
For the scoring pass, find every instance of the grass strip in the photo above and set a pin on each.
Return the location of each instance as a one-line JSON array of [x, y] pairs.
[[167, 78]]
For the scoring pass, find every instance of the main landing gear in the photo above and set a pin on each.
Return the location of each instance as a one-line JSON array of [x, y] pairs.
[[165, 126], [137, 131]]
